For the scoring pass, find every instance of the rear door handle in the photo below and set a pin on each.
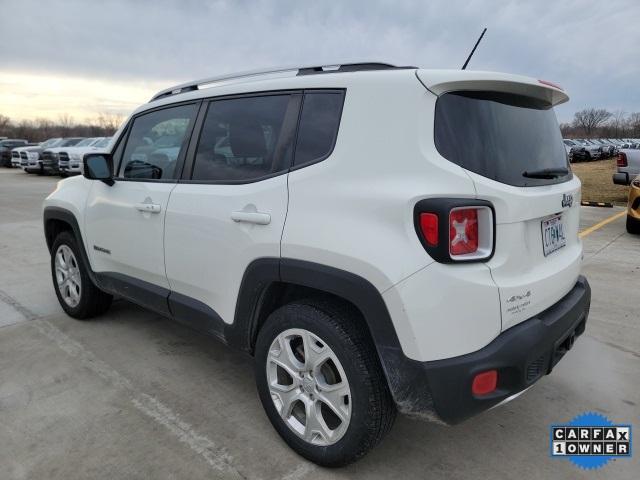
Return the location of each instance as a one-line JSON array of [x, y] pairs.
[[148, 207], [251, 217]]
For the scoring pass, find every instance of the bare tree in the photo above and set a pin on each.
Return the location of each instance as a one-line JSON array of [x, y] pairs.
[[618, 121], [634, 124], [109, 121], [5, 122], [590, 118]]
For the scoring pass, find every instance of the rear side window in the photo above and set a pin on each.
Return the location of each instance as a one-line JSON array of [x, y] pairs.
[[155, 142], [318, 128], [240, 139], [500, 136]]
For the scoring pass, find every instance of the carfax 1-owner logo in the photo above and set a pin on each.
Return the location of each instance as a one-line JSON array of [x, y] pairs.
[[590, 440]]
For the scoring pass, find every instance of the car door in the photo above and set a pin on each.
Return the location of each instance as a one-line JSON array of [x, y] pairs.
[[230, 209], [124, 222]]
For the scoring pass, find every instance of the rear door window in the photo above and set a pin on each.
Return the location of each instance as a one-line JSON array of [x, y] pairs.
[[243, 140], [500, 136]]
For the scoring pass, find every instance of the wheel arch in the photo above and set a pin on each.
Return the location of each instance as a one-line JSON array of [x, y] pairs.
[[270, 283], [57, 220]]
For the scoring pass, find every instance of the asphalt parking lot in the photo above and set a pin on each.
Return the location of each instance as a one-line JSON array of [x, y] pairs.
[[133, 395]]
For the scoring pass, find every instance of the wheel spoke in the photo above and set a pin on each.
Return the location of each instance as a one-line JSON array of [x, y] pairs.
[[314, 356], [333, 397], [283, 357], [314, 425], [288, 395]]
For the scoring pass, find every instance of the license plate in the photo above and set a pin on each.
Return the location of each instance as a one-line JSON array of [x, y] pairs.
[[553, 237]]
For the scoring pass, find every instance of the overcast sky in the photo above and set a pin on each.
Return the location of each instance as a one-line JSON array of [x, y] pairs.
[[86, 57]]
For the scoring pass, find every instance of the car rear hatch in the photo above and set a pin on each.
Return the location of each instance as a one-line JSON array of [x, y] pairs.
[[503, 131]]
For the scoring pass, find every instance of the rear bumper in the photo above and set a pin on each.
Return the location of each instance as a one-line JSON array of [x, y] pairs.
[[521, 355]]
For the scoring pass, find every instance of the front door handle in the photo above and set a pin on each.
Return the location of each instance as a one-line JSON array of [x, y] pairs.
[[251, 217], [148, 207]]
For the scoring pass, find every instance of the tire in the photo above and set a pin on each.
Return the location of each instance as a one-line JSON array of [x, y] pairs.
[[587, 157], [88, 301], [633, 225], [368, 406]]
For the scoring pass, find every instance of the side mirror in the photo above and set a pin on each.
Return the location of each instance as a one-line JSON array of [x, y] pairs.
[[98, 166]]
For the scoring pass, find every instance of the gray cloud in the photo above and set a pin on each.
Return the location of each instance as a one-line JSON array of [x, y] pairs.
[[589, 47]]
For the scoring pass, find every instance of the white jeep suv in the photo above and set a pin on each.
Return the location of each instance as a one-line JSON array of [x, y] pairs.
[[379, 238]]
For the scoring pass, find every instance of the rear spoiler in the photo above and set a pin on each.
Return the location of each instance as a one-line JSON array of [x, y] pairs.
[[443, 81]]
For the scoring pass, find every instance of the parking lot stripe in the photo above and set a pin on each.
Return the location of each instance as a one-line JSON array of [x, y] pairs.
[[601, 224]]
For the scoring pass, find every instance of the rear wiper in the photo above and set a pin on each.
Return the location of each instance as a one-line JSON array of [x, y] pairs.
[[546, 173]]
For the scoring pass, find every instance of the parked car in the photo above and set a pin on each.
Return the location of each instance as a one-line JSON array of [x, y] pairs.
[[628, 166], [592, 152], [607, 148], [418, 269], [70, 159], [50, 155], [6, 146], [575, 151], [633, 207], [30, 160]]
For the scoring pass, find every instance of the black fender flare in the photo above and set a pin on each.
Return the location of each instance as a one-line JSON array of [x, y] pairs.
[[66, 216], [405, 377]]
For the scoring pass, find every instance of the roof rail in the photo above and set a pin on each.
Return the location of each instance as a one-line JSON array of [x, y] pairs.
[[307, 70]]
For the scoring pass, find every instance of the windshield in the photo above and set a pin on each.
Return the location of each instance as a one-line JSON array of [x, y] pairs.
[[500, 136], [102, 143], [52, 142], [85, 142]]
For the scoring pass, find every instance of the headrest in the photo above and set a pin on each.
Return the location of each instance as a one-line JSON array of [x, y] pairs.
[[246, 138]]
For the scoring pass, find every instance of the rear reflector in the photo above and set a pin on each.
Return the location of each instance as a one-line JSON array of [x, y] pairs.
[[485, 382], [622, 160], [463, 231], [429, 228]]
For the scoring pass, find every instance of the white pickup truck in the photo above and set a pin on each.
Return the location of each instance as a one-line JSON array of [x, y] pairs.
[[628, 166]]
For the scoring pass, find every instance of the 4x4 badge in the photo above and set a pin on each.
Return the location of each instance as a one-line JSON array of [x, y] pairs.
[[567, 200]]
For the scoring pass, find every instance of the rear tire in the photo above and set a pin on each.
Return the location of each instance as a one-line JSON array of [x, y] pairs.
[[77, 294], [366, 408], [633, 225]]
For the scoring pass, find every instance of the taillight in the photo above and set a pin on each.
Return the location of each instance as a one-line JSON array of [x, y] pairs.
[[622, 159], [463, 231], [455, 230], [429, 228]]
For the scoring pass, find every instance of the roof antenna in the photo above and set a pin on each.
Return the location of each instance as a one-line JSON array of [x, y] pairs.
[[474, 49]]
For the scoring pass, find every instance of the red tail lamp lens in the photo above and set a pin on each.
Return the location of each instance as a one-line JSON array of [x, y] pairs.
[[429, 228], [622, 160], [485, 382], [463, 231]]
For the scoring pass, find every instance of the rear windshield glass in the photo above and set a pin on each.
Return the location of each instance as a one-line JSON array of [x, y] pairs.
[[501, 136]]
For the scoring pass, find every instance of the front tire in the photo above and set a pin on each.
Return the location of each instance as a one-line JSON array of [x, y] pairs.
[[77, 294], [320, 382]]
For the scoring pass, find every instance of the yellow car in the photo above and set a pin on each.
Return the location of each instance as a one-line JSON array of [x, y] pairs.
[[633, 212]]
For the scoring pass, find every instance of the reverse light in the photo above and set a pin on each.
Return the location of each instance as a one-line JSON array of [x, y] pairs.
[[463, 231], [622, 160], [484, 383]]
